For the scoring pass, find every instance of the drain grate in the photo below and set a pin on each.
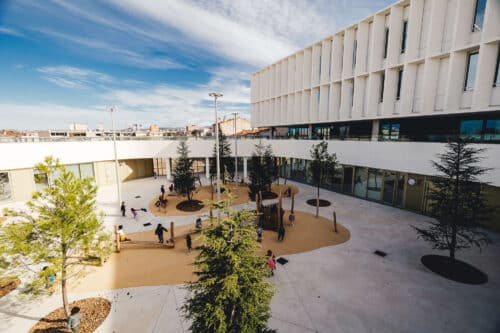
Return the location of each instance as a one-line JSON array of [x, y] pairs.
[[380, 253]]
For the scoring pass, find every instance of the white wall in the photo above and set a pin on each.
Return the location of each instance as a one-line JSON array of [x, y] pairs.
[[437, 29], [412, 157]]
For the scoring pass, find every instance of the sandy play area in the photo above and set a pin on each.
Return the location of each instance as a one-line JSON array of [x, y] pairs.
[[239, 193], [134, 267]]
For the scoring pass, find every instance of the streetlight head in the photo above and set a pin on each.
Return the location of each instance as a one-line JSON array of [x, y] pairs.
[[216, 95]]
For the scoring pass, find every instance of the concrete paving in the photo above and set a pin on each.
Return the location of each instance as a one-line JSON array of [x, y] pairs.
[[344, 288]]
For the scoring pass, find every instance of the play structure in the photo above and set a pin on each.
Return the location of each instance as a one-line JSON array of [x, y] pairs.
[[269, 216], [153, 244]]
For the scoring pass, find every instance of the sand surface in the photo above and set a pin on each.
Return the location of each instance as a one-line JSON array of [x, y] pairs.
[[134, 267], [239, 194]]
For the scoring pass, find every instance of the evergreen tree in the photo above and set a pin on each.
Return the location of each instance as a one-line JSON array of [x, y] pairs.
[[263, 170], [270, 167], [257, 175], [231, 294], [321, 167], [225, 159], [184, 180], [456, 199], [60, 230]]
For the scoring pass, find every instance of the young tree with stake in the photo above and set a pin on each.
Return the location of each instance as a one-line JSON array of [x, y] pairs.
[[60, 231], [321, 167]]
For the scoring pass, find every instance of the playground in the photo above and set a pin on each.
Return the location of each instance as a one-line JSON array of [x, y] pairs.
[[156, 265], [239, 194]]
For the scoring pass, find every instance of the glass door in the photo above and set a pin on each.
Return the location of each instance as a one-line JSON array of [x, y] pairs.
[[360, 182], [375, 179], [389, 187], [347, 184]]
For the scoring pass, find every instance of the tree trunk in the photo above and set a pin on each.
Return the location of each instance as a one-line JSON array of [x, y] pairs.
[[64, 291], [317, 203], [211, 199], [453, 243], [293, 201]]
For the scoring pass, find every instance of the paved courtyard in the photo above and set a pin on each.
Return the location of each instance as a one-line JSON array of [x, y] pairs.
[[344, 288]]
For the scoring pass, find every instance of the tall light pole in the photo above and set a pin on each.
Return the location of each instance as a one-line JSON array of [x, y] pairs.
[[235, 151], [118, 189], [215, 96]]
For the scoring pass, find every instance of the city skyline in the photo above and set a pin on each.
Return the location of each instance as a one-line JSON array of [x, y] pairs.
[[66, 63]]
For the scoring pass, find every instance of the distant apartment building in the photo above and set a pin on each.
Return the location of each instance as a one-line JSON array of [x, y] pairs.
[[227, 126]]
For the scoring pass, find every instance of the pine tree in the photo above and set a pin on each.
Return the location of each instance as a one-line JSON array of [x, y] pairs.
[[231, 294], [60, 230], [321, 167], [184, 180], [456, 199], [225, 159], [263, 170], [270, 167]]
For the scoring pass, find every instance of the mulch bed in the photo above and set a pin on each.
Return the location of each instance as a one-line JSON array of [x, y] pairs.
[[7, 285], [190, 206], [93, 312], [322, 202], [455, 270], [267, 195]]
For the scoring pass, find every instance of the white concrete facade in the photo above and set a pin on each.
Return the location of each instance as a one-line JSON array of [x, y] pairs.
[[339, 78]]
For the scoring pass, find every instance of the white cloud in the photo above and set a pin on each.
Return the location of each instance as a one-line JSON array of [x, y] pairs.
[[210, 30], [10, 31], [73, 77]]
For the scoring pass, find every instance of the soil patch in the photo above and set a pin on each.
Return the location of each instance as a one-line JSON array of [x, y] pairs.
[[239, 195], [322, 202], [151, 267], [93, 311], [455, 270], [7, 284], [190, 205]]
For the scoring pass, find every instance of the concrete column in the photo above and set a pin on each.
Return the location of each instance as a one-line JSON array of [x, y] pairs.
[[375, 129], [207, 167], [169, 171], [244, 168]]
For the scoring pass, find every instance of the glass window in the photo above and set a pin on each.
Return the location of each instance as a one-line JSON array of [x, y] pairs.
[[386, 131], [492, 131], [400, 81], [386, 42], [479, 15], [470, 79], [374, 184], [496, 83], [403, 37], [5, 193], [319, 67], [347, 181], [74, 169], [354, 49], [41, 180], [395, 131], [319, 98], [382, 83], [87, 170], [360, 182], [471, 129]]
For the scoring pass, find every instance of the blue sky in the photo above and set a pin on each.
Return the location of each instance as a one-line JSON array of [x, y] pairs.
[[65, 62]]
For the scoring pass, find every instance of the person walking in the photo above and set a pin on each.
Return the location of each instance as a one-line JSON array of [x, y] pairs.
[[159, 232], [291, 219], [162, 189], [134, 213], [281, 232], [123, 208], [198, 223], [74, 319], [271, 262], [188, 244], [259, 234]]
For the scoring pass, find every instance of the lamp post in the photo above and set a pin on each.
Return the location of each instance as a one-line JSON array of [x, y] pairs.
[[235, 151], [215, 96], [118, 189]]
